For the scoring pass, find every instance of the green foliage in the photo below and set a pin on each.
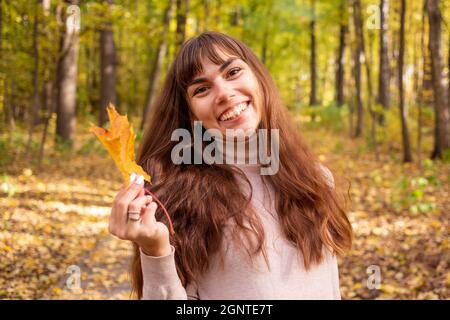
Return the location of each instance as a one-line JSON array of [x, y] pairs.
[[446, 155], [330, 116], [139, 135], [410, 192], [339, 147], [277, 31], [11, 144], [92, 146], [63, 146], [6, 156]]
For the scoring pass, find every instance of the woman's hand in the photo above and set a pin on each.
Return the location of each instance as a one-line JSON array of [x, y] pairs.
[[152, 236]]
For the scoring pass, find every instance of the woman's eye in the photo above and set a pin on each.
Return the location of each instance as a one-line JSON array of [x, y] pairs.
[[234, 71], [200, 90]]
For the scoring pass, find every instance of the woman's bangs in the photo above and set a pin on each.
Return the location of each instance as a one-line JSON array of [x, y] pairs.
[[196, 50]]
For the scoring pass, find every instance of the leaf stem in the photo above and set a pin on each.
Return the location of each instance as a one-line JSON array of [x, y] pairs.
[[172, 231]]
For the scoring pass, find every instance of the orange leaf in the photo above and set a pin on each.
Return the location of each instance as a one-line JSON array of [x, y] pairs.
[[119, 141]]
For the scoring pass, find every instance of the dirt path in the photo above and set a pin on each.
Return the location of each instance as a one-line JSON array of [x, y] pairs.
[[104, 274]]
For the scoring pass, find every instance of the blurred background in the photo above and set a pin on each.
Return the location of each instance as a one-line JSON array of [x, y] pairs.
[[367, 82]]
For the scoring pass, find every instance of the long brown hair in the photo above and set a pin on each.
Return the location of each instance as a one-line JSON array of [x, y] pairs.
[[202, 198]]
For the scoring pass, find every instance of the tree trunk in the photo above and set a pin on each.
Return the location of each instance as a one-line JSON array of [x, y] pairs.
[[48, 95], [1, 30], [384, 74], [8, 84], [47, 86], [352, 84], [366, 56], [358, 56], [66, 117], [218, 13], [206, 12], [313, 65], [373, 114], [4, 92], [407, 155], [235, 16], [298, 95], [182, 13], [157, 64], [264, 46], [442, 138], [427, 83], [35, 106], [265, 33], [341, 54], [108, 69], [92, 81], [383, 97], [36, 103], [420, 90]]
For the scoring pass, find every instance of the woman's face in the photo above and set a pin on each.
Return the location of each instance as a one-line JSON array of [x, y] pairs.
[[226, 96]]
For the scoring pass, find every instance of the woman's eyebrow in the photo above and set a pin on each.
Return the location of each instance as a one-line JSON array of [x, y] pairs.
[[221, 68], [227, 63]]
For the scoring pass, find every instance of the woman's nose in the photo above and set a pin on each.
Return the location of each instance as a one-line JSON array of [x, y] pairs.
[[224, 92]]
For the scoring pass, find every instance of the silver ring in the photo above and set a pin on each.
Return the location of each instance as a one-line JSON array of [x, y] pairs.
[[134, 216]]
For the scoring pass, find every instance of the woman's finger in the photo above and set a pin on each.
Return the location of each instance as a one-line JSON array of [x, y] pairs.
[[133, 227], [141, 193], [123, 199], [148, 218], [130, 194], [121, 190], [137, 204], [124, 186]]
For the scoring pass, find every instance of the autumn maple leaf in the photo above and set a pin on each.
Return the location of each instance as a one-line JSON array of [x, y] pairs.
[[119, 141]]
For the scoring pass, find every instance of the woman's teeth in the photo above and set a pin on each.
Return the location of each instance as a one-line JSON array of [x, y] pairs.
[[235, 112]]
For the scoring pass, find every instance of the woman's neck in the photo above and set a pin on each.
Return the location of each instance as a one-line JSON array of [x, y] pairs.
[[238, 150]]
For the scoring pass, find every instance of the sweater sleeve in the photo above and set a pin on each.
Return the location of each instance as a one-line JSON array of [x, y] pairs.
[[161, 281], [335, 279]]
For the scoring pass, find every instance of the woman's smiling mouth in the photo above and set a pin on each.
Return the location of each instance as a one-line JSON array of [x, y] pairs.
[[234, 112]]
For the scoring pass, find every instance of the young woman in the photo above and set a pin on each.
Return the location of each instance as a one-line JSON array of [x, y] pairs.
[[238, 234]]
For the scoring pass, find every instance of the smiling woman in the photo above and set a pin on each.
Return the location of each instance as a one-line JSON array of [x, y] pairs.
[[238, 234], [226, 96]]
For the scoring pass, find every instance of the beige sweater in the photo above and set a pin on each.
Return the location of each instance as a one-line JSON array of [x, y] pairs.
[[240, 280]]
